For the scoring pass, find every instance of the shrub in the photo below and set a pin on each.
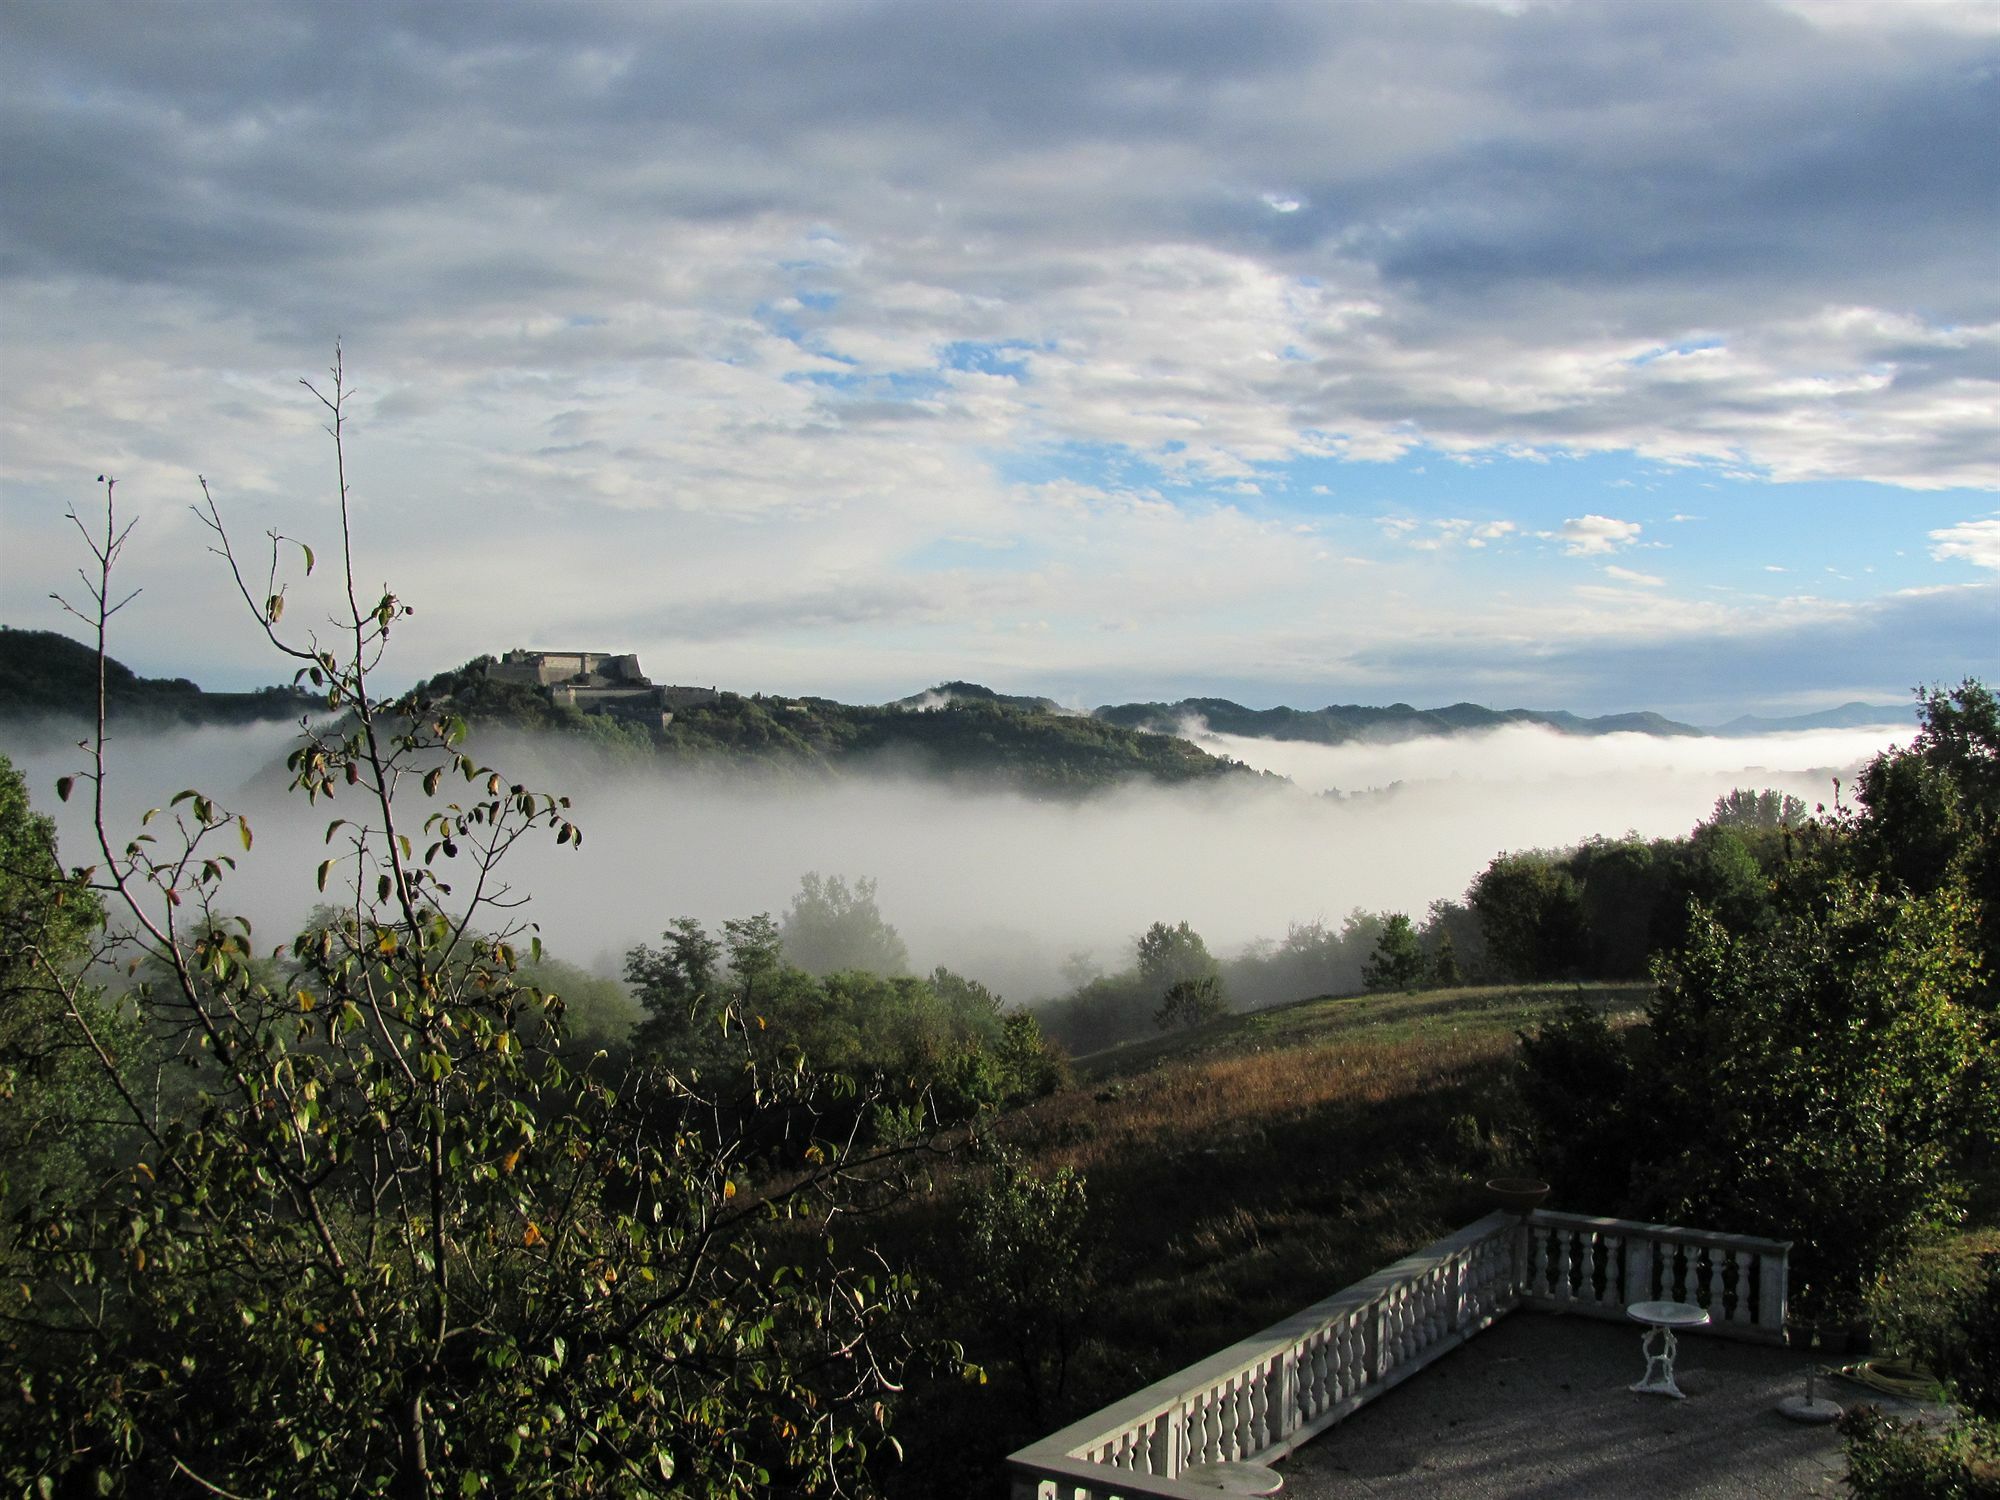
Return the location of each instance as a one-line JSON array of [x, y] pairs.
[[1892, 1460]]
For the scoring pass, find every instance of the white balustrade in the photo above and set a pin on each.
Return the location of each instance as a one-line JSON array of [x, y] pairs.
[[1265, 1396], [1598, 1267]]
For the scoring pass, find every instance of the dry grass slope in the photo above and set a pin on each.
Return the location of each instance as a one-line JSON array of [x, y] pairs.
[[1242, 1170]]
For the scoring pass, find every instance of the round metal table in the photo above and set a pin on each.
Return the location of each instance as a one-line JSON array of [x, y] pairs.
[[1661, 1319]]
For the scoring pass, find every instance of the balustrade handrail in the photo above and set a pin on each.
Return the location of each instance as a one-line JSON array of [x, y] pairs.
[[1628, 1227], [1248, 1354]]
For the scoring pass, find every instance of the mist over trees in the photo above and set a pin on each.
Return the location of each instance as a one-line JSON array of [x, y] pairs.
[[832, 926]]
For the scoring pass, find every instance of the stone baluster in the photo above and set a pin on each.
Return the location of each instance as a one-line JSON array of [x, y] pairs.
[[1666, 1264], [1351, 1344], [1259, 1394], [1309, 1377], [1559, 1266]]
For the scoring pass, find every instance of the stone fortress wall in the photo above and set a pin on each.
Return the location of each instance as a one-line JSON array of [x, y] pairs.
[[595, 681]]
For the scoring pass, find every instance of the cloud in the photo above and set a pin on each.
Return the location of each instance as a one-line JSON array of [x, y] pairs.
[[1592, 536], [1978, 542], [733, 334], [1628, 575], [1455, 531]]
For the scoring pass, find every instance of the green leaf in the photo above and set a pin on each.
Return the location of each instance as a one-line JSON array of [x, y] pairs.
[[243, 830], [309, 558]]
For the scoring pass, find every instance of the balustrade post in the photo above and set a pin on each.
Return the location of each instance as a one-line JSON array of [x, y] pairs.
[[1771, 1283], [1638, 1269], [1526, 1257]]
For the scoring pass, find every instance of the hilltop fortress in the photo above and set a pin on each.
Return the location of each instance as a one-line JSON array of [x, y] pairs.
[[596, 682]]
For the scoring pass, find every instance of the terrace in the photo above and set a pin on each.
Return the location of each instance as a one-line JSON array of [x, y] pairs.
[[1530, 1405]]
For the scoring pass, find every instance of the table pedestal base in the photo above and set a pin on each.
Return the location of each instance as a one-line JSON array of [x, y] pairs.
[[1659, 1377]]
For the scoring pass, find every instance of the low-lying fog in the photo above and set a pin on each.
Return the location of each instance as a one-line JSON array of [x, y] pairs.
[[1003, 887]]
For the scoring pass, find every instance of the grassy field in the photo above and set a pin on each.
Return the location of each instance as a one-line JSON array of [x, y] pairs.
[[1241, 1171]]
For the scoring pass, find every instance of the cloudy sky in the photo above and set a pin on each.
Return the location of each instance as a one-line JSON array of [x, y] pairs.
[[1635, 354]]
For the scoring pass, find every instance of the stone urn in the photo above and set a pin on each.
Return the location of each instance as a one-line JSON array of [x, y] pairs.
[[1518, 1195]]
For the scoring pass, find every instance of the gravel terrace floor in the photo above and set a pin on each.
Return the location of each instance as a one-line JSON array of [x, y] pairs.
[[1537, 1406]]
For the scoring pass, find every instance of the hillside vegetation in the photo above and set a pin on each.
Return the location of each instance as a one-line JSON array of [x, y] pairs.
[[43, 674], [1234, 1173], [971, 734]]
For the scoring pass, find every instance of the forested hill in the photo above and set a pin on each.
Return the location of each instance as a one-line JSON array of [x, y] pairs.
[[956, 730], [1340, 722], [46, 675]]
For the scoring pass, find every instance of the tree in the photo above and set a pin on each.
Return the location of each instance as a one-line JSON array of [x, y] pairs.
[[1175, 965], [676, 987], [1531, 913], [1444, 969], [1030, 1256], [1191, 1002], [1931, 812], [1455, 924], [1815, 1081], [376, 1230], [833, 926], [1765, 809], [51, 1090], [1398, 961]]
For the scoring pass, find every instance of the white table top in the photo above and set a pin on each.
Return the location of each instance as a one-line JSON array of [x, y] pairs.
[[1668, 1314]]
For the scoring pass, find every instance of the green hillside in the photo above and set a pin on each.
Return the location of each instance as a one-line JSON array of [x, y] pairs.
[[46, 674], [975, 734]]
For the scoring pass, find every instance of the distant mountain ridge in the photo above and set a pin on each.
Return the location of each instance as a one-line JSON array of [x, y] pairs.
[[1339, 723], [957, 726], [1847, 716]]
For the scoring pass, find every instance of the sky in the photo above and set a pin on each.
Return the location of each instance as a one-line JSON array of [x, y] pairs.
[[1604, 356]]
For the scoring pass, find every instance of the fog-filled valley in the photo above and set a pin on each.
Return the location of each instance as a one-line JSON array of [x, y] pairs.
[[998, 885]]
